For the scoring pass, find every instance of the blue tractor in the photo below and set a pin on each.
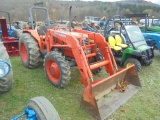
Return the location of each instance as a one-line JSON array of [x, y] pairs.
[[12, 31], [39, 108]]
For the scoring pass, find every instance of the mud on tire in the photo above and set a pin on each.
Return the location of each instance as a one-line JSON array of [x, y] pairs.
[[43, 108], [7, 81], [57, 69], [29, 51]]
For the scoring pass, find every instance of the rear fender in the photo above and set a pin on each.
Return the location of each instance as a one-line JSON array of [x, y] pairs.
[[34, 33]]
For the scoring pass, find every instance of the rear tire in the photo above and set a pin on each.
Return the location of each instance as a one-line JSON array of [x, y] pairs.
[[43, 108], [7, 81], [57, 69], [29, 51], [134, 61], [17, 33]]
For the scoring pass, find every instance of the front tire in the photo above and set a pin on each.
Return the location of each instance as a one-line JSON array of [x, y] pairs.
[[43, 108], [6, 82], [57, 69], [29, 51], [132, 61]]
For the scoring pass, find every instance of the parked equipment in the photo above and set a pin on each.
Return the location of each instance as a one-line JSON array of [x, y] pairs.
[[6, 74], [150, 33], [66, 47], [13, 30], [39, 108], [128, 44], [10, 42]]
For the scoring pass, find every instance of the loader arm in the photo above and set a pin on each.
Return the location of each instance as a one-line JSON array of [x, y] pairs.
[[93, 99], [104, 49], [77, 50], [79, 55]]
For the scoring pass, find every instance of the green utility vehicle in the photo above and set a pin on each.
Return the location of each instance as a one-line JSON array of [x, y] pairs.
[[134, 51]]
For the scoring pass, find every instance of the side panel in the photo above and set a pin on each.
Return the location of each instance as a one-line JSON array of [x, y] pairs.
[[127, 53]]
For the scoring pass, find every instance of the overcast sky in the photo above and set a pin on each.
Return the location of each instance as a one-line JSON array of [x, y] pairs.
[[153, 1]]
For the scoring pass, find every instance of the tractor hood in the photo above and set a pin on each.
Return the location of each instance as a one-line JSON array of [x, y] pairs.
[[151, 29], [143, 47], [75, 34], [154, 29], [151, 34]]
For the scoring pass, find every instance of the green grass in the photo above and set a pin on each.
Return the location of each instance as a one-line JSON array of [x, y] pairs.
[[28, 83]]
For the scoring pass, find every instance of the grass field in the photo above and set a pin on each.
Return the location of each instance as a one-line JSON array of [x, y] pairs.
[[28, 83]]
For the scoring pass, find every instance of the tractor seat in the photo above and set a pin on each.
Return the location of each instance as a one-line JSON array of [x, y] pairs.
[[119, 42], [42, 30], [112, 43]]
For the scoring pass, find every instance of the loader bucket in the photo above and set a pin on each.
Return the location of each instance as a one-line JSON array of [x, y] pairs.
[[102, 98]]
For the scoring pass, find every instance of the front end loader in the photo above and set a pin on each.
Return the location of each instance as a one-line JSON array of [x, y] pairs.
[[63, 48]]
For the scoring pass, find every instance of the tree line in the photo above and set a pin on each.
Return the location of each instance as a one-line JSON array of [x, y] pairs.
[[59, 10]]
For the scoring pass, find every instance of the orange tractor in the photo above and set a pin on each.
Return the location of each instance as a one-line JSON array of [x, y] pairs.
[[62, 48]]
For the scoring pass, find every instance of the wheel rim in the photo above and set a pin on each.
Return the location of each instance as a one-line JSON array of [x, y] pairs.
[[53, 71], [24, 52], [129, 64]]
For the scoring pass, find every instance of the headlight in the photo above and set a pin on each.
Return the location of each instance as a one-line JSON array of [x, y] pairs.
[[5, 68]]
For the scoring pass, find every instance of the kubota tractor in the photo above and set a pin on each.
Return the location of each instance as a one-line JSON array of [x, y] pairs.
[[90, 52]]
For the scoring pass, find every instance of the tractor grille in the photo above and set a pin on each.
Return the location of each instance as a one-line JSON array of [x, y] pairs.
[[148, 53]]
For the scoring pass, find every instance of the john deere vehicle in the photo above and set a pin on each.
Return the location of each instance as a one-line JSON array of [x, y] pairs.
[[89, 52], [135, 51]]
